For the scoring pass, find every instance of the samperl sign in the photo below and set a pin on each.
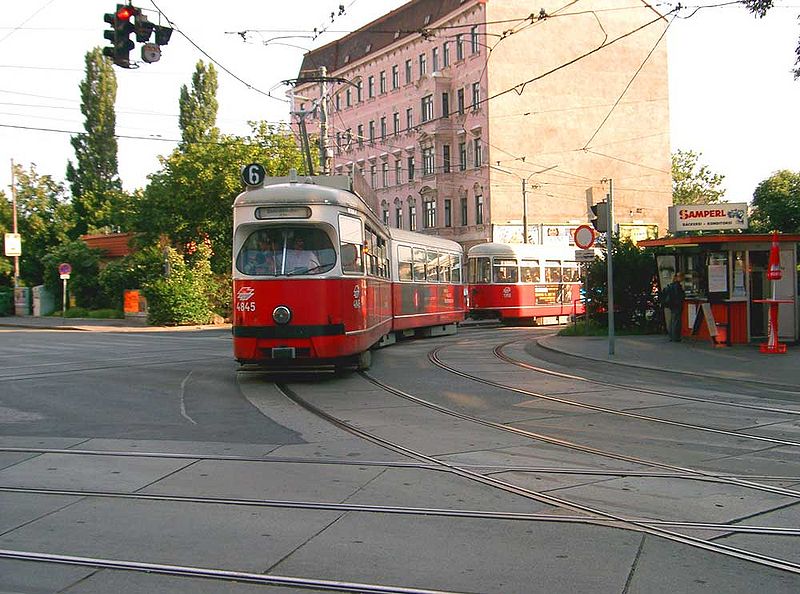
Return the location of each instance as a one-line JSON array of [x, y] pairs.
[[699, 217]]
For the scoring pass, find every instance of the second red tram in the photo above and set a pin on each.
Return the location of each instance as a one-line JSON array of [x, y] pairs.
[[523, 283], [319, 280]]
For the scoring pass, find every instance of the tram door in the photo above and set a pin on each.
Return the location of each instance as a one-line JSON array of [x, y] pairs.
[[759, 289]]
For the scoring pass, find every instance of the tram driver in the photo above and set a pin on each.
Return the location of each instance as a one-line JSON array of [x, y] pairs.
[[300, 259]]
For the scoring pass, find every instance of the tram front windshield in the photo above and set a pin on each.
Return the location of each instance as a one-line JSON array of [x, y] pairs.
[[286, 251]]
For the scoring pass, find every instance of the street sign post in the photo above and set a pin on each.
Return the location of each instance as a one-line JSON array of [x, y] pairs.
[[584, 237], [64, 270]]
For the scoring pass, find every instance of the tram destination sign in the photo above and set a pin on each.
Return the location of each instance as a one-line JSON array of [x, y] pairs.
[[700, 217]]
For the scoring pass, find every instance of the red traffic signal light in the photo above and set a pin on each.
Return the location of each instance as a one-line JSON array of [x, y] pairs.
[[124, 13]]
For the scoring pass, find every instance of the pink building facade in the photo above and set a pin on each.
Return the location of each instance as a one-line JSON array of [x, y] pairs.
[[465, 116]]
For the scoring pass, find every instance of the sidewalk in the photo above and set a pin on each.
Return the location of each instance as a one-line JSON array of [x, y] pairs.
[[90, 324], [688, 357]]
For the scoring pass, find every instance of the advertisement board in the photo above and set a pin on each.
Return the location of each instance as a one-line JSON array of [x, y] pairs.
[[700, 217]]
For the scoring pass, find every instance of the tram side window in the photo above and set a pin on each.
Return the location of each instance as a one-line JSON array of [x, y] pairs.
[[570, 273], [505, 271], [432, 267], [383, 261], [552, 271], [480, 270], [404, 263], [529, 271], [419, 264], [351, 238], [445, 268], [455, 274]]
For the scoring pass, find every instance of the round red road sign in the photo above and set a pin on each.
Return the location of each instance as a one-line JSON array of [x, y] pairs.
[[584, 237], [64, 268]]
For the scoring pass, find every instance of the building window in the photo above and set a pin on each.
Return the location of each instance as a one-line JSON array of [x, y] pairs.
[[372, 130], [473, 36], [395, 77], [386, 216], [463, 211], [373, 177], [445, 54], [396, 123], [398, 216], [478, 209], [460, 101], [360, 133], [446, 158], [348, 97], [412, 217], [348, 139], [428, 162], [427, 108], [371, 87], [408, 71], [459, 47], [430, 214], [477, 150], [448, 215], [398, 172], [385, 175], [411, 168], [462, 156], [360, 91], [435, 59], [338, 142], [409, 119], [383, 128], [382, 83], [445, 104], [423, 65], [338, 102], [476, 95]]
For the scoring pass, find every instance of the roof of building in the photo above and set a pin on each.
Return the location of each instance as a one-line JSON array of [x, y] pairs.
[[410, 19], [693, 240], [112, 245]]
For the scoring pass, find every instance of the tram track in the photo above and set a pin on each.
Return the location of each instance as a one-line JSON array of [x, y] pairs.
[[592, 513]]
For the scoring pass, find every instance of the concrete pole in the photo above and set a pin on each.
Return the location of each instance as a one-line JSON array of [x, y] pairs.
[[14, 210], [323, 122], [610, 267], [524, 213]]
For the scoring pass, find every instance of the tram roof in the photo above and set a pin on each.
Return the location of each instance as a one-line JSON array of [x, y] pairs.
[[332, 189], [423, 239], [518, 250]]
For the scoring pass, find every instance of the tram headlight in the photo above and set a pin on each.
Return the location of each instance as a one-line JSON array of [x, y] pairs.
[[281, 314]]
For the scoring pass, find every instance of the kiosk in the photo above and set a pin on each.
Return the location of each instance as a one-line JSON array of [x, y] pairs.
[[728, 290]]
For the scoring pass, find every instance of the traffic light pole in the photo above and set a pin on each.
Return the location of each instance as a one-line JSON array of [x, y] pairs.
[[610, 266]]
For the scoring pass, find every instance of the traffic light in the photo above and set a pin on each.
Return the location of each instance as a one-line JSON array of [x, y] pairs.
[[162, 35], [119, 35], [599, 217], [143, 27]]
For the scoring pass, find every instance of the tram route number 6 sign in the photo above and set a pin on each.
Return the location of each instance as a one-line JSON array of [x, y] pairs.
[[253, 174]]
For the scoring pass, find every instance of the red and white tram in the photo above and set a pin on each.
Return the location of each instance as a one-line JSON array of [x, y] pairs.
[[523, 283], [319, 280]]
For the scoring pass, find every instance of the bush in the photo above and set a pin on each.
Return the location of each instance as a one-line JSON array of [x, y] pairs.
[[106, 314], [185, 296], [132, 272], [6, 302], [76, 312], [82, 284]]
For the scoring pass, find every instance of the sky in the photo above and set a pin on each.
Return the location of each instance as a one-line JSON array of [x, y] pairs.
[[732, 95]]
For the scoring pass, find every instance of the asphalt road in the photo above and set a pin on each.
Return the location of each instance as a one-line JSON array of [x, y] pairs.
[[131, 457]]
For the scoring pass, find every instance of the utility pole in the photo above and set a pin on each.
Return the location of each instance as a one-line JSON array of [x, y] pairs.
[[610, 266], [14, 210], [323, 121], [524, 213]]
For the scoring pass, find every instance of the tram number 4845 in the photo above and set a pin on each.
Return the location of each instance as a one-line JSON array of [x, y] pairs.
[[245, 306]]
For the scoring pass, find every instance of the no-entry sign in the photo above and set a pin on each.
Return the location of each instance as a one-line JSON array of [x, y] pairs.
[[584, 237]]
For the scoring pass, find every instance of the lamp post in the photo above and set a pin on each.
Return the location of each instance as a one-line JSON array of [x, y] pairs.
[[525, 181]]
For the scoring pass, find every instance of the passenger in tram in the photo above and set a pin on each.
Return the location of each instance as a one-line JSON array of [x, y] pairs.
[[299, 259]]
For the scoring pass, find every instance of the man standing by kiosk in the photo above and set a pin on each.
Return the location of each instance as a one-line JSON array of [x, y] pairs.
[[672, 299]]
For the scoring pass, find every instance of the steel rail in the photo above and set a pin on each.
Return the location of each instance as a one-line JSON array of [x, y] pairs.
[[399, 510], [617, 520]]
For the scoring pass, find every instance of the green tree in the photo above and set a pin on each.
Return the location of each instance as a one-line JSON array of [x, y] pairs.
[[198, 107], [759, 8], [776, 203], [6, 226], [96, 188], [83, 283], [693, 183], [635, 282], [190, 199], [44, 219]]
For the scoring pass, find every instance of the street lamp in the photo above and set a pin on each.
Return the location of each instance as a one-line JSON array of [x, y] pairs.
[[524, 194]]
